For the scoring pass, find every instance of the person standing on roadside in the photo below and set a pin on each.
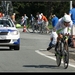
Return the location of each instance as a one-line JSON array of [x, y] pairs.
[[44, 18], [72, 13], [1, 14], [39, 18], [32, 18], [25, 19], [54, 20], [22, 20], [13, 17]]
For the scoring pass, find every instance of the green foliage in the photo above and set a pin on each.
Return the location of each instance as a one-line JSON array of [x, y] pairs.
[[57, 7]]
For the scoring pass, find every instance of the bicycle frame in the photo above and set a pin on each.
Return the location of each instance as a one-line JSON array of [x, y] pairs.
[[62, 52]]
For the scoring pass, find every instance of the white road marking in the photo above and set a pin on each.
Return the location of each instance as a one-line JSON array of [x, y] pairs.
[[53, 58], [44, 55]]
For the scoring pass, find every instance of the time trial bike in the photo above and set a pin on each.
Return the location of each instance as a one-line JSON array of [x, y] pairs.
[[62, 52]]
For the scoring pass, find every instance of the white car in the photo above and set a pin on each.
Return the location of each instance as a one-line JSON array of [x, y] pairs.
[[9, 34]]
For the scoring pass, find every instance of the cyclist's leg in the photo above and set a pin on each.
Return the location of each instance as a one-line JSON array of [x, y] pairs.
[[66, 55], [70, 41], [57, 46], [66, 44]]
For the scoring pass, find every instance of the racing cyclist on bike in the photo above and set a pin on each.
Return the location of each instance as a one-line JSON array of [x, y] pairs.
[[63, 26]]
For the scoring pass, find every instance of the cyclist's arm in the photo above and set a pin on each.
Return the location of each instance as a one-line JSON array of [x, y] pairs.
[[58, 25]]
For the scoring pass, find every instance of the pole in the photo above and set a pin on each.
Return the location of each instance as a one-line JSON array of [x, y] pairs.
[[7, 8], [70, 4]]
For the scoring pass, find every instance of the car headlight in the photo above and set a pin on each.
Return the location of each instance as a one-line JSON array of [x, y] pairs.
[[13, 33]]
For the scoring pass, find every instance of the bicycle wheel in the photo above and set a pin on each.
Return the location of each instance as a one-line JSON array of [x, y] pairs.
[[66, 56], [58, 60], [58, 56]]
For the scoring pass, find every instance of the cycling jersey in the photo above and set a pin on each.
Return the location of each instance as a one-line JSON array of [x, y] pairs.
[[60, 27]]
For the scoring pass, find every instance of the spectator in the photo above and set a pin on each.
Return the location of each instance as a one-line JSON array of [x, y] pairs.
[[72, 13], [44, 18], [13, 17], [25, 19], [54, 20], [1, 14], [39, 18], [22, 20], [31, 20]]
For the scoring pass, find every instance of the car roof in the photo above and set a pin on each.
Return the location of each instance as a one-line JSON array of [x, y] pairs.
[[7, 17]]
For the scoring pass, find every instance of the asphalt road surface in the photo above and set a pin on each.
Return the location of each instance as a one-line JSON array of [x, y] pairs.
[[32, 56]]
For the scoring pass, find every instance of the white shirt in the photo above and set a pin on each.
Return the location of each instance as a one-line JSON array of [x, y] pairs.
[[25, 17], [54, 35], [40, 19]]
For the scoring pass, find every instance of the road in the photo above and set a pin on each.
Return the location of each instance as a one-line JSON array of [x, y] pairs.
[[32, 56], [71, 50]]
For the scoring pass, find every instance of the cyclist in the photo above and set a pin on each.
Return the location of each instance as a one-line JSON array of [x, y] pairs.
[[63, 27]]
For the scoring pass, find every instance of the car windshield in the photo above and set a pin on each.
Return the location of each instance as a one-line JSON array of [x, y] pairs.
[[6, 23]]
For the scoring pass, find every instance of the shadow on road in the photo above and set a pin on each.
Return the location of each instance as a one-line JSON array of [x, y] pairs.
[[41, 66]]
